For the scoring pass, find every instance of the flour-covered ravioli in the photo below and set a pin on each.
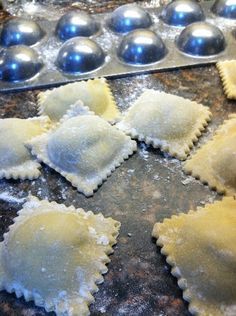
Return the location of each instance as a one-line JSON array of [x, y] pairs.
[[215, 162], [55, 255], [165, 121], [76, 109], [95, 94], [84, 149], [16, 160], [227, 71], [201, 248]]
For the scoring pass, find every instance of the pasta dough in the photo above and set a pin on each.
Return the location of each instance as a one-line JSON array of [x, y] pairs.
[[227, 71], [95, 94], [75, 110], [55, 255], [15, 159], [201, 248], [215, 162], [84, 149], [166, 121]]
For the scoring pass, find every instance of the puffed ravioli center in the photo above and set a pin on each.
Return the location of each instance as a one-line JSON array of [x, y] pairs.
[[76, 146], [224, 162], [14, 132], [215, 246], [169, 118], [45, 251], [89, 93], [201, 248], [94, 94]]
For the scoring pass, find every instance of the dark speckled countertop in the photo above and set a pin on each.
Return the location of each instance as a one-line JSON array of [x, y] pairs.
[[147, 188]]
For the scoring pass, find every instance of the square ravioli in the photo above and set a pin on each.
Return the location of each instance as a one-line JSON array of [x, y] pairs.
[[201, 248], [55, 255], [227, 71], [166, 121], [16, 160], [84, 149], [215, 162], [94, 94]]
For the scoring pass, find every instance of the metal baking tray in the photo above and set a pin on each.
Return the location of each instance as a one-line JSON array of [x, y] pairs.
[[111, 48]]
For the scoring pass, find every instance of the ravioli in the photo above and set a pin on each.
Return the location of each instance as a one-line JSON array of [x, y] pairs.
[[95, 94], [75, 110], [55, 255], [165, 121], [84, 149], [201, 248], [227, 71], [15, 159], [215, 162]]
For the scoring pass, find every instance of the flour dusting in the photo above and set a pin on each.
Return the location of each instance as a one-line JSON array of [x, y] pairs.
[[7, 197]]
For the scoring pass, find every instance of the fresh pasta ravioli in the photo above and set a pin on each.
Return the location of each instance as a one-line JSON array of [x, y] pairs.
[[227, 70], [16, 160], [94, 94], [215, 162], [166, 121], [201, 248], [84, 149], [55, 255]]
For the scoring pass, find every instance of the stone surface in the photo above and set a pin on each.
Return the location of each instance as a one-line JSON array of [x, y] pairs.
[[147, 188]]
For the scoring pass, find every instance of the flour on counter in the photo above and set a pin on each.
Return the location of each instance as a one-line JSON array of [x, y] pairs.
[[7, 197], [143, 153]]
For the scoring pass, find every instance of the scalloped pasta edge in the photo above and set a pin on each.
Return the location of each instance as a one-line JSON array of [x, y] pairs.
[[214, 185], [30, 168], [112, 118], [75, 110], [175, 271], [228, 87], [72, 178], [162, 144], [34, 206]]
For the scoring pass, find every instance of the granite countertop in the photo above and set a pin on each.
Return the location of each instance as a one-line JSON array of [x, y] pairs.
[[147, 188]]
